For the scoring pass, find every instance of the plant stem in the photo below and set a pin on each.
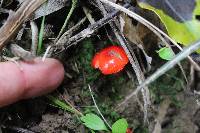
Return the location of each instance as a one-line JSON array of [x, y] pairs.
[[74, 3]]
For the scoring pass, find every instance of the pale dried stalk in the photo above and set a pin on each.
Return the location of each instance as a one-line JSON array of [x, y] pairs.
[[157, 31], [67, 34], [88, 15], [34, 31], [140, 76], [1, 2], [133, 60], [20, 52], [64, 38], [149, 25], [16, 19], [167, 66], [98, 108]]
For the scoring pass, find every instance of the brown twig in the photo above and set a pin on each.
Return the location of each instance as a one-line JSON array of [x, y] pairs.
[[149, 25], [167, 66], [133, 60], [86, 32], [68, 34]]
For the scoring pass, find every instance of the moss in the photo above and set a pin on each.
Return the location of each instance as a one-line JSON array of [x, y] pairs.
[[170, 84]]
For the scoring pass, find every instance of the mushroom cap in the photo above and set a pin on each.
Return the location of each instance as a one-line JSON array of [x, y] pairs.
[[129, 130], [110, 60]]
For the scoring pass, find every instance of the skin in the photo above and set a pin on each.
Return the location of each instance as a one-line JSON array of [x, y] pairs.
[[28, 79]]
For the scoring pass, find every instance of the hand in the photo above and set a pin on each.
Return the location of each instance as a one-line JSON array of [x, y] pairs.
[[28, 79]]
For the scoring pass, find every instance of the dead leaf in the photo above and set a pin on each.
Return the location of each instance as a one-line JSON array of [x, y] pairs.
[[50, 7], [135, 34]]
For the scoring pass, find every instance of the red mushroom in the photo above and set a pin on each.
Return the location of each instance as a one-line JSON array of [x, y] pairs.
[[110, 60], [129, 130]]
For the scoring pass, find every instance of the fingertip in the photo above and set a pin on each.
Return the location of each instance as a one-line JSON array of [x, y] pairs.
[[45, 77], [11, 83], [28, 79]]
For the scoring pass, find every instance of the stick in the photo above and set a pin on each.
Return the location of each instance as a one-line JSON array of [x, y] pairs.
[[149, 25], [167, 66], [88, 31]]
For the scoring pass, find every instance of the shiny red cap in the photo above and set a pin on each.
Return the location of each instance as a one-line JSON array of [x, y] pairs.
[[110, 60]]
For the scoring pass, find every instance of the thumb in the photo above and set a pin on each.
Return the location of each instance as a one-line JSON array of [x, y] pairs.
[[28, 79]]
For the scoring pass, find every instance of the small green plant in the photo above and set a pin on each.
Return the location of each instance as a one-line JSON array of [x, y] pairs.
[[63, 105], [74, 3], [90, 120], [141, 129], [169, 85], [84, 57], [120, 126], [41, 33], [165, 53], [95, 123], [181, 29]]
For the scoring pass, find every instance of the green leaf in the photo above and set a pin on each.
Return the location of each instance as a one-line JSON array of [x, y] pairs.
[[93, 122], [40, 42], [179, 18], [41, 33], [74, 4], [60, 104], [197, 10], [165, 53], [92, 131], [120, 126]]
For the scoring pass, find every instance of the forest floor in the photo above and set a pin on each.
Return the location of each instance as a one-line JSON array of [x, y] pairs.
[[173, 109]]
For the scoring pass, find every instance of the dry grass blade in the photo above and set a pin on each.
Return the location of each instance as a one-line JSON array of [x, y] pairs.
[[16, 19], [158, 32], [186, 52], [1, 2], [133, 60], [67, 34], [65, 42], [34, 31], [86, 32], [139, 74], [98, 107], [149, 25]]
